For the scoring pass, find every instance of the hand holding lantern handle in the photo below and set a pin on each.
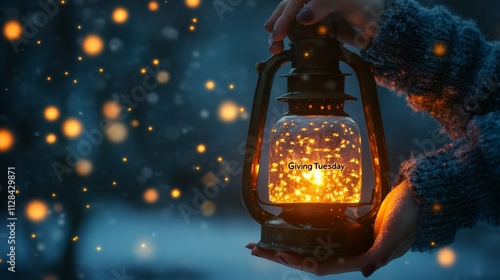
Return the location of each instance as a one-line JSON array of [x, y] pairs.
[[394, 233]]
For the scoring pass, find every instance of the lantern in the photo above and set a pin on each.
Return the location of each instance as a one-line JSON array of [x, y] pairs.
[[315, 172]]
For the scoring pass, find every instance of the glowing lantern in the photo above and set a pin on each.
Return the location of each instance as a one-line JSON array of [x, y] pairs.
[[314, 173]]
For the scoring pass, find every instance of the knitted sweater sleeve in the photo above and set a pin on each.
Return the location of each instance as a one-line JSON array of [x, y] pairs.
[[447, 68]]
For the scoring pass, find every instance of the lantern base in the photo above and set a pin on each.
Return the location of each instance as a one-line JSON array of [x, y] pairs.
[[317, 234]]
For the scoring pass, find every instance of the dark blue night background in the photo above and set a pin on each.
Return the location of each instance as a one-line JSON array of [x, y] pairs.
[[138, 176]]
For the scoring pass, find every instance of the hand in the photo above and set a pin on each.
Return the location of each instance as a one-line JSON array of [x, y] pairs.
[[394, 231], [356, 20]]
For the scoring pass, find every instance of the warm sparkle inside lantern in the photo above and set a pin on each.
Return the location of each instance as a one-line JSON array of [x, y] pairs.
[[315, 159]]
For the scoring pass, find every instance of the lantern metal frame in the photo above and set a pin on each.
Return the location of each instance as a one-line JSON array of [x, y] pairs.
[[313, 228]]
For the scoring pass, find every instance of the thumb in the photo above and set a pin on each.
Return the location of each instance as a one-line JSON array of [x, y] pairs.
[[317, 10]]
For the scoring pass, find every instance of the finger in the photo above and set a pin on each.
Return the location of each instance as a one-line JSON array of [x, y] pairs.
[[266, 254], [286, 19], [317, 10], [276, 47], [319, 266], [251, 245], [275, 15]]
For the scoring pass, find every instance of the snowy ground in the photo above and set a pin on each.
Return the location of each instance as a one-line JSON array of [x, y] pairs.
[[123, 243]]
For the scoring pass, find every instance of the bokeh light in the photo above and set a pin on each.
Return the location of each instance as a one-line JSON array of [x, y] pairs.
[[446, 257], [163, 77], [51, 138], [151, 195], [12, 30], [439, 49], [116, 132], [210, 85], [153, 6], [111, 110], [175, 193], [6, 139], [51, 113], [201, 148], [193, 4], [37, 210], [120, 15], [83, 167], [72, 128], [92, 45], [228, 111], [208, 208]]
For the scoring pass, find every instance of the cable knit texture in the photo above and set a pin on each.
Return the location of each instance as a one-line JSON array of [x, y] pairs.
[[447, 68]]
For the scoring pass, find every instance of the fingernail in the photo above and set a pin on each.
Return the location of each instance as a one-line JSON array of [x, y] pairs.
[[272, 47], [305, 15], [267, 21], [368, 270], [249, 247], [281, 259]]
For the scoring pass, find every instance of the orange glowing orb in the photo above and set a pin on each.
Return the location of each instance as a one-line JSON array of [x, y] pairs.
[[92, 45], [439, 49], [72, 128], [51, 113], [6, 140], [83, 167], [208, 208], [175, 193], [446, 257], [201, 148], [210, 85], [51, 138], [12, 30], [120, 15], [322, 30], [111, 110], [193, 4], [228, 111], [153, 6], [151, 195], [37, 210], [116, 132], [134, 123], [163, 77]]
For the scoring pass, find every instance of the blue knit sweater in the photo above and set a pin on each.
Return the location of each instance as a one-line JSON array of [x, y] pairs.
[[447, 68]]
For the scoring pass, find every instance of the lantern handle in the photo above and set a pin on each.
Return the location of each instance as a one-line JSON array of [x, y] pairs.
[[375, 129], [253, 151]]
